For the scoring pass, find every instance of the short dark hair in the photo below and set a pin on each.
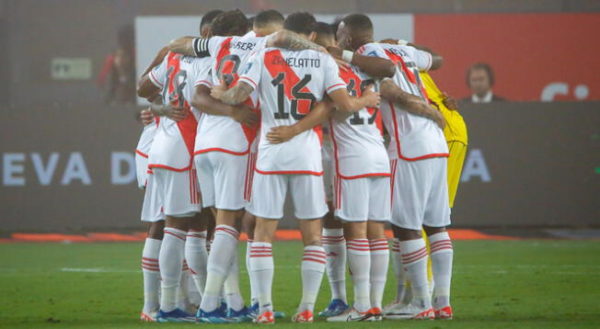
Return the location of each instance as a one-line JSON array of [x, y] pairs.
[[481, 66], [232, 22], [267, 17], [300, 22], [209, 17], [358, 22], [323, 28], [336, 24]]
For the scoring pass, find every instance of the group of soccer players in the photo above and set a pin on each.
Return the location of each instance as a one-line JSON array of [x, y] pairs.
[[236, 125]]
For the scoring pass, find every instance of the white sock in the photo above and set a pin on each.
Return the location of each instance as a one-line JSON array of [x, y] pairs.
[[151, 274], [223, 248], [380, 259], [170, 259], [414, 260], [399, 272], [335, 247], [182, 291], [261, 272], [359, 262], [233, 296], [441, 264], [197, 258], [192, 291], [253, 297], [313, 267]]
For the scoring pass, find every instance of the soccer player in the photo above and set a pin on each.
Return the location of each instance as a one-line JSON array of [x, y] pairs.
[[419, 189], [289, 82], [170, 160]]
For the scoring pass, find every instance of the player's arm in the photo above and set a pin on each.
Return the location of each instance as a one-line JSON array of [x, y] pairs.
[[189, 46], [146, 88], [205, 102], [290, 40], [346, 103], [319, 113], [410, 103], [436, 59], [375, 67], [174, 113]]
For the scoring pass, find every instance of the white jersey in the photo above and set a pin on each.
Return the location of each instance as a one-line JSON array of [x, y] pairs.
[[289, 83], [222, 133], [146, 138], [412, 137], [358, 139], [173, 143]]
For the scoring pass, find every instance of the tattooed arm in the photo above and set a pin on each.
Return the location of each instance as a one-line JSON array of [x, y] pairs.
[[410, 103], [292, 41], [234, 95]]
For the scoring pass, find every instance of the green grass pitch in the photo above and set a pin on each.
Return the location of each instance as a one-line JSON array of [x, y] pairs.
[[496, 284]]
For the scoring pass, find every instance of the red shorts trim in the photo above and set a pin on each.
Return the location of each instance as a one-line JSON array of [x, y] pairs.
[[152, 166], [141, 153], [290, 172], [218, 149]]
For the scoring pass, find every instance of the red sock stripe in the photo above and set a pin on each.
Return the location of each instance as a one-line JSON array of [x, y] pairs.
[[414, 256], [149, 265], [311, 259], [153, 269], [227, 230], [358, 245], [443, 246], [441, 242], [150, 259], [178, 236], [379, 244], [192, 271], [200, 235], [318, 253]]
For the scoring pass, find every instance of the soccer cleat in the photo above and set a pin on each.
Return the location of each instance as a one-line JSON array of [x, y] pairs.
[[411, 311], [267, 317], [243, 315], [216, 316], [350, 315], [335, 307], [444, 313], [376, 314], [393, 307], [148, 316], [176, 315], [305, 316], [253, 312]]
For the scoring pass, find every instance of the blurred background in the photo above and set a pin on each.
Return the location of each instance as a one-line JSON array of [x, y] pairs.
[[527, 74]]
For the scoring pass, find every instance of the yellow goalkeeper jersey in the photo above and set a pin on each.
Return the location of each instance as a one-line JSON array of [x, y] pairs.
[[456, 129]]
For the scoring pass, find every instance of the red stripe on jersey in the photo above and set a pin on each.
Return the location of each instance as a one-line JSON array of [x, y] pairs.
[[141, 153], [290, 172], [410, 74]]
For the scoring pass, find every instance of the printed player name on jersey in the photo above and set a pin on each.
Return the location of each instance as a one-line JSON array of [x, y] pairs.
[[243, 45], [297, 62]]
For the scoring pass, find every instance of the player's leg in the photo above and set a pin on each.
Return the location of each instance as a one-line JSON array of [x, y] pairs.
[[412, 183], [334, 244], [266, 203], [248, 224], [437, 217], [228, 198], [379, 215], [308, 197], [352, 206], [196, 254], [181, 201], [151, 214]]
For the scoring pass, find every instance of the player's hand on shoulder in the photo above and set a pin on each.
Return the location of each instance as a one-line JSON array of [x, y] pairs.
[[450, 102], [244, 115], [146, 116], [281, 134], [439, 119], [373, 98], [217, 91]]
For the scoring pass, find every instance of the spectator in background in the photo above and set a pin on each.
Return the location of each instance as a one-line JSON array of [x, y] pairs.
[[117, 77], [480, 79]]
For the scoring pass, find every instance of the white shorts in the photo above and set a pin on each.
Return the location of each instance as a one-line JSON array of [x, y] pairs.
[[222, 179], [420, 193], [152, 206], [269, 192], [328, 172], [362, 199], [178, 192], [141, 169]]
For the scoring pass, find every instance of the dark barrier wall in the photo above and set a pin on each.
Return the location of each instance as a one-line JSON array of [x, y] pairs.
[[529, 164]]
